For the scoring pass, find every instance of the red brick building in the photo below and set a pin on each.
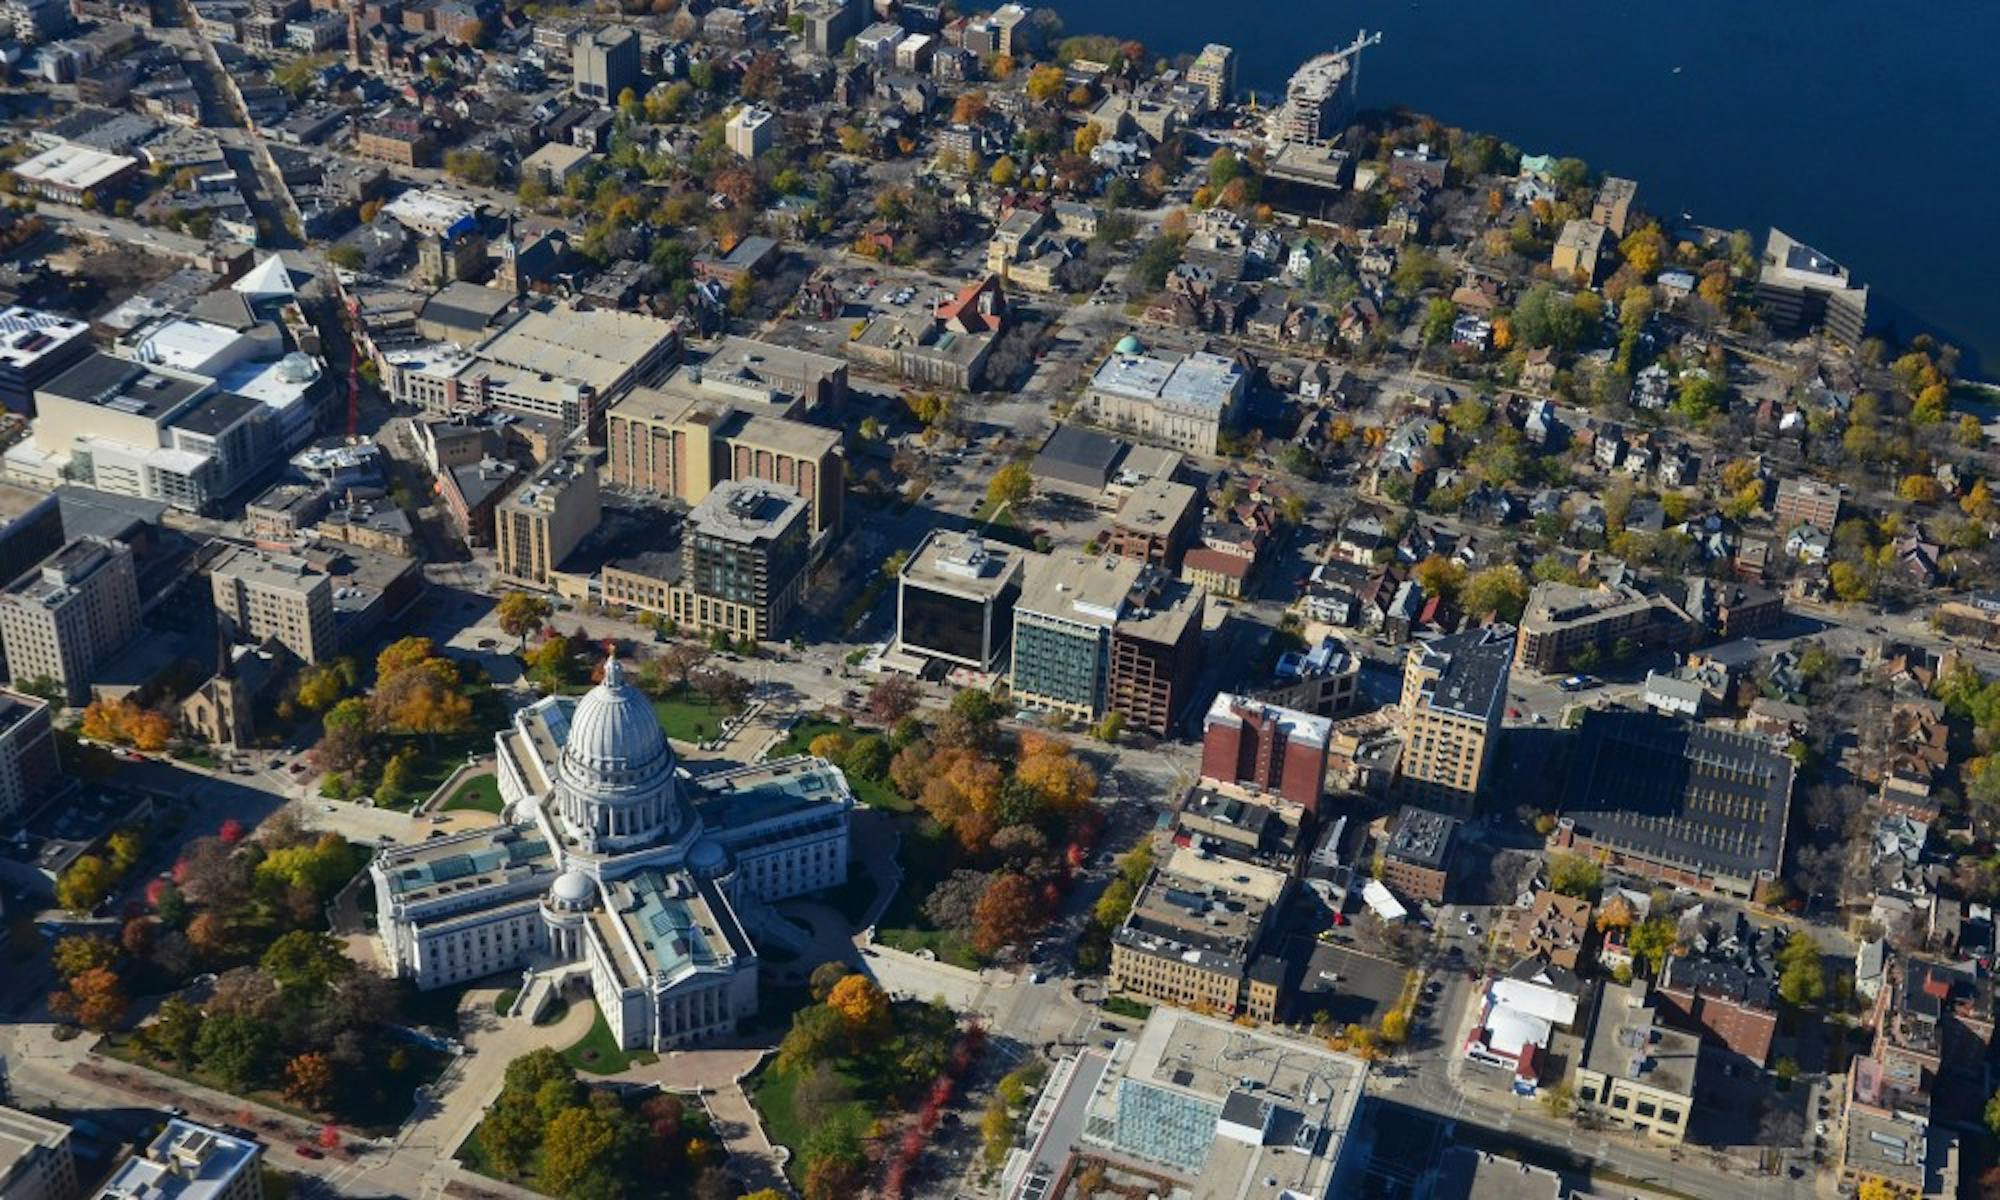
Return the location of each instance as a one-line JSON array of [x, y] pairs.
[[1278, 750], [1722, 1001]]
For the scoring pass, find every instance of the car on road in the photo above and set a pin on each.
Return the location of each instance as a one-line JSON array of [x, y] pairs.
[[305, 1151], [1577, 683]]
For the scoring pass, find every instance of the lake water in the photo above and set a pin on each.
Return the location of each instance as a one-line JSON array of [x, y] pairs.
[[1865, 129]]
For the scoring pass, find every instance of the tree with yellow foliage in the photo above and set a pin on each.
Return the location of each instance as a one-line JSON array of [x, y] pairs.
[[1063, 783], [1088, 135], [1001, 67], [1920, 489], [1045, 83], [1977, 501], [1644, 249], [863, 1008]]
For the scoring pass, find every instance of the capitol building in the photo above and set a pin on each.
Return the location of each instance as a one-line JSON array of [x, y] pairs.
[[611, 865]]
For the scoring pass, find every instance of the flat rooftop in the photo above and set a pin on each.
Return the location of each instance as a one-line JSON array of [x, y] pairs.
[[769, 791], [441, 866], [1080, 588], [1627, 1042], [186, 1162], [1472, 673], [28, 335], [746, 511], [58, 577], [1679, 793], [1422, 837], [598, 347], [263, 569], [1155, 507], [1218, 1106], [963, 563], [123, 386]]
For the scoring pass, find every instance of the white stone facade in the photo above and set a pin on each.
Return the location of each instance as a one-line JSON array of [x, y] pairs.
[[608, 860]]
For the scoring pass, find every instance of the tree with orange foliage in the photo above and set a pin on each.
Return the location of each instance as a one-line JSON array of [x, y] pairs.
[[1048, 768], [95, 999], [1009, 913], [969, 108], [961, 793], [208, 934], [309, 1080], [863, 1007]]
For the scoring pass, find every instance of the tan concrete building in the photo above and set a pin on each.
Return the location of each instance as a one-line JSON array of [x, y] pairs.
[[71, 615], [1195, 937], [1214, 71], [276, 595], [1454, 692], [1613, 206], [1579, 250], [36, 1159], [694, 431], [1561, 621], [537, 526], [28, 762], [1636, 1072]]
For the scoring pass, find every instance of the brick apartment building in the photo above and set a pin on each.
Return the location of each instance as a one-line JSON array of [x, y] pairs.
[[1277, 750]]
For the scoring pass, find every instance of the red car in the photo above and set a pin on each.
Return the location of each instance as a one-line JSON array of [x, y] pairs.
[[305, 1151]]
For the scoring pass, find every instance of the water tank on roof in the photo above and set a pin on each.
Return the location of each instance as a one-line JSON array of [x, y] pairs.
[[1130, 344]]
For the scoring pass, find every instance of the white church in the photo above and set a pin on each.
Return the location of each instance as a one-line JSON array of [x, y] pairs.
[[611, 863]]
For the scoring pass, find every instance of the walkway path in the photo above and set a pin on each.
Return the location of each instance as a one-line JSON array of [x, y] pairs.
[[716, 1076]]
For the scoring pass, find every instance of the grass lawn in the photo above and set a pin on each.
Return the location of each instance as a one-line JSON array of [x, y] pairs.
[[196, 756], [1127, 1007], [875, 793], [597, 1053], [504, 1002], [903, 926], [688, 718], [480, 793], [771, 1094]]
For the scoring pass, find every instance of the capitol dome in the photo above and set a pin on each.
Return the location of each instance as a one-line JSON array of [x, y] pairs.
[[613, 731], [615, 784]]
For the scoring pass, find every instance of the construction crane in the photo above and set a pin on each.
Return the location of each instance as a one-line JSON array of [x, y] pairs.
[[1362, 40]]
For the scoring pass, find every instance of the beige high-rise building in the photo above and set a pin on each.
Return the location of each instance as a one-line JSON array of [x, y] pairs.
[[28, 762], [1454, 692], [67, 618], [691, 433], [535, 528], [276, 595], [1214, 70], [36, 1160]]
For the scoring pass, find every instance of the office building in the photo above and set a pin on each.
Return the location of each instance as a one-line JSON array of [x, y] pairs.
[[1801, 289], [31, 528], [190, 1162], [1637, 1073], [612, 864], [818, 381], [1015, 30], [1417, 858], [743, 572], [1201, 1108], [1241, 823], [28, 763], [955, 600], [751, 131], [1196, 937], [541, 521], [37, 1161], [1454, 692], [554, 361], [605, 62], [1106, 634], [66, 173], [1181, 401], [1687, 805], [70, 615], [697, 429], [35, 347], [1156, 655], [1567, 628], [109, 422], [266, 595], [1214, 71], [1613, 206], [1155, 523], [1266, 748]]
